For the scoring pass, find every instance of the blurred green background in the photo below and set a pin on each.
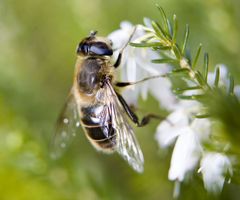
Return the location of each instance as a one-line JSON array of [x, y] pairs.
[[37, 55]]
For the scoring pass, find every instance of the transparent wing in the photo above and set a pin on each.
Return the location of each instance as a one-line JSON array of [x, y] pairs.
[[127, 144], [66, 127]]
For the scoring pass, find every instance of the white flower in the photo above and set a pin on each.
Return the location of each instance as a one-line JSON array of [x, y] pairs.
[[169, 129], [180, 126], [185, 155], [183, 116], [189, 133], [136, 65], [214, 166]]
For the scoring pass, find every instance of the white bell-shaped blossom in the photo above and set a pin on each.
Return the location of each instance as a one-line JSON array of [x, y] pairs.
[[180, 126], [185, 155], [169, 129], [214, 167]]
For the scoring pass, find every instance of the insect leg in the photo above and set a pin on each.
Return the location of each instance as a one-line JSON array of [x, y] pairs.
[[145, 120], [125, 84], [118, 61], [119, 58]]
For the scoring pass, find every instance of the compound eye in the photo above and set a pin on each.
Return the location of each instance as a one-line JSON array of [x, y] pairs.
[[100, 48], [83, 48]]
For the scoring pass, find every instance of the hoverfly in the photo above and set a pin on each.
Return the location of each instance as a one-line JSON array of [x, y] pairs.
[[94, 104]]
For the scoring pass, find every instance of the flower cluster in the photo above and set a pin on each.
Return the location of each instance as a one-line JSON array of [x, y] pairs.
[[189, 134], [136, 65], [181, 128]]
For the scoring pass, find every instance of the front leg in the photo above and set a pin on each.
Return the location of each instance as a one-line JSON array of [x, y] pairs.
[[125, 84], [145, 120], [118, 61]]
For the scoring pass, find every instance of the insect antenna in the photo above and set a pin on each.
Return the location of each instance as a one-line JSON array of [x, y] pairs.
[[93, 33], [119, 58], [130, 38]]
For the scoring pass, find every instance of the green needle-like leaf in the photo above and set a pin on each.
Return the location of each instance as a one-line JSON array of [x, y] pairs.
[[181, 70], [200, 116], [175, 29], [191, 97], [164, 17], [178, 72], [197, 56], [151, 44], [231, 85], [163, 48], [180, 90], [205, 69], [217, 75], [170, 28], [158, 30], [165, 60], [177, 52], [185, 38], [200, 78]]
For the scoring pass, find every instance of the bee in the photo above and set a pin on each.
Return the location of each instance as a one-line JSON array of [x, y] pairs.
[[95, 105]]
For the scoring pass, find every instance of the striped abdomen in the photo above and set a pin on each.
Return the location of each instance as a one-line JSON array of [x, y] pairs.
[[97, 124]]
